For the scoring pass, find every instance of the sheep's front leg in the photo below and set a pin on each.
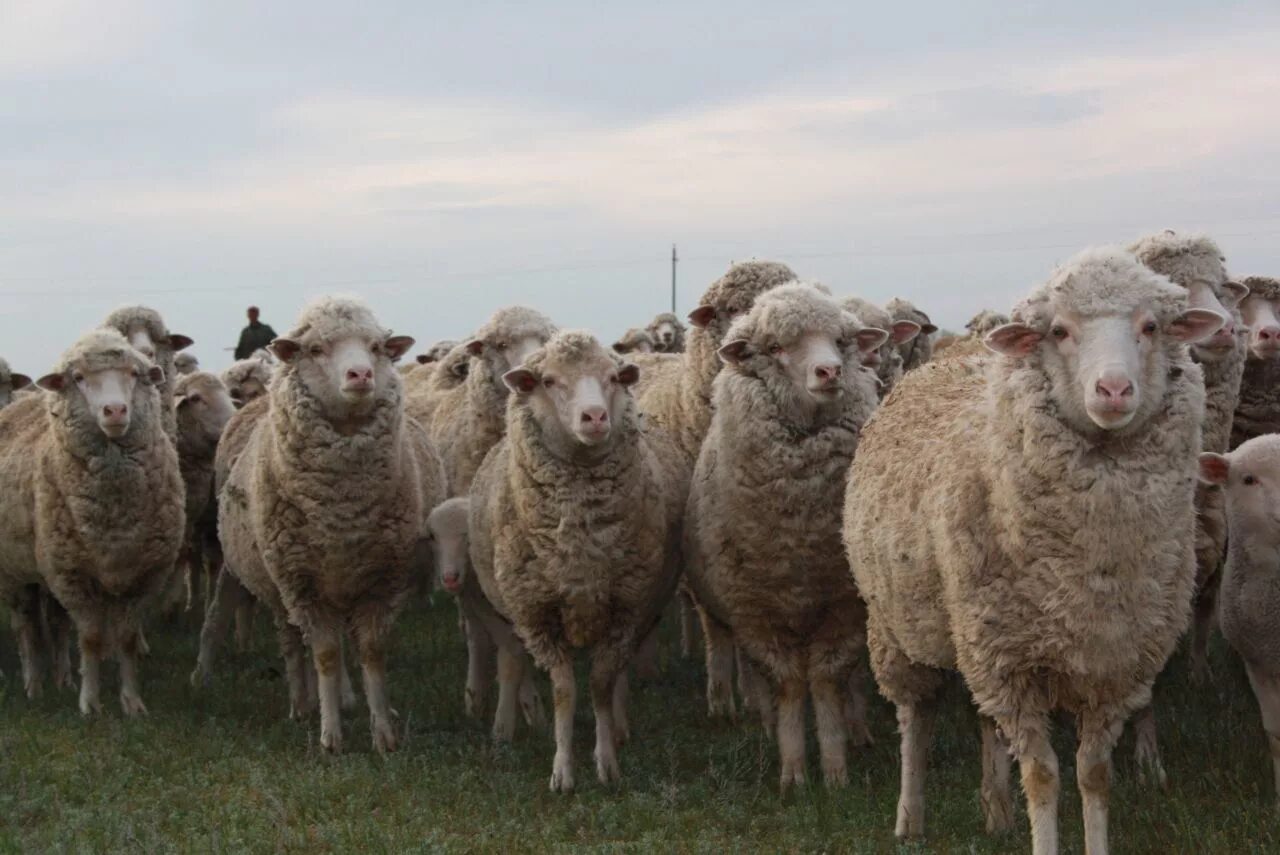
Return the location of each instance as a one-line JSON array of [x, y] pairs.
[[1093, 776], [1040, 780], [371, 632], [326, 651], [348, 691], [298, 673], [720, 655], [227, 596], [564, 693], [828, 711], [621, 726], [511, 674], [1146, 749], [855, 711], [57, 630], [791, 695], [480, 658], [1266, 688], [997, 799], [90, 626], [915, 724], [127, 640], [604, 679], [24, 618]]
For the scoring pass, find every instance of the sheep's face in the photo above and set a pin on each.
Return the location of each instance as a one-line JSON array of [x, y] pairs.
[[666, 334], [812, 366], [246, 390], [14, 382], [162, 351], [634, 341], [344, 373], [1108, 370], [580, 398], [185, 363], [900, 333], [204, 407], [1261, 317], [1222, 299], [105, 389], [1251, 477], [448, 526], [440, 350]]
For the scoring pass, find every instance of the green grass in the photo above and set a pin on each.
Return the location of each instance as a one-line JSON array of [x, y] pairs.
[[222, 770]]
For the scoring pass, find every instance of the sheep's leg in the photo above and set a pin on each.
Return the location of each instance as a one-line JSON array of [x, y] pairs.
[[604, 680], [746, 680], [217, 618], [25, 620], [1266, 688], [326, 652], [244, 624], [91, 629], [1204, 614], [296, 668], [720, 655], [646, 658], [1093, 777], [371, 639], [127, 653], [58, 627], [1039, 767], [855, 711], [791, 695], [621, 726], [348, 692], [763, 697], [688, 625], [511, 671], [915, 724], [997, 799], [564, 693], [530, 699], [1146, 750], [480, 656], [828, 711]]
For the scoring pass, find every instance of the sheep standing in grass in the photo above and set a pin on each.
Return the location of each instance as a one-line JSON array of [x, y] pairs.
[[886, 360], [145, 330], [203, 409], [1258, 411], [919, 350], [10, 382], [634, 340], [762, 532], [93, 505], [323, 512], [1249, 597], [574, 530], [667, 333], [1045, 549], [247, 379]]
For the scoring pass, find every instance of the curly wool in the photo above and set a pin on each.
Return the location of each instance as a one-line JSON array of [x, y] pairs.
[[197, 449], [129, 319], [985, 321], [633, 339], [427, 384], [1184, 258], [919, 350], [1266, 287], [890, 370], [10, 382]]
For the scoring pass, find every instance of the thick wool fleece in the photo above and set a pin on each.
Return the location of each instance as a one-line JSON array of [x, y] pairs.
[[1052, 568], [467, 419], [197, 447], [677, 344], [1249, 599], [1258, 410], [632, 339], [762, 530], [869, 314], [985, 321], [919, 350], [130, 319], [243, 370], [7, 382], [577, 553], [427, 384]]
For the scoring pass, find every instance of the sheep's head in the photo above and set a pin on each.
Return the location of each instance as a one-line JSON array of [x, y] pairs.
[[985, 321], [449, 541], [1251, 477], [104, 380], [508, 338], [1261, 313], [247, 379], [882, 360], [578, 391], [204, 407], [804, 347], [436, 352], [1105, 330], [186, 363], [343, 357], [734, 293], [634, 340], [10, 382], [146, 333], [667, 333]]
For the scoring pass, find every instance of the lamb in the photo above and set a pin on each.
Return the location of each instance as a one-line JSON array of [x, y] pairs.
[[247, 379], [634, 340], [667, 333], [886, 360], [985, 321], [323, 514], [762, 530], [185, 363], [1045, 548], [93, 507], [467, 419], [1258, 411], [203, 408], [147, 333], [919, 350], [10, 382], [1249, 598], [574, 530]]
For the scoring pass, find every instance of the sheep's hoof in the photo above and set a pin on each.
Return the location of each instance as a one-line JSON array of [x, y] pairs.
[[384, 736], [621, 735], [561, 780], [200, 678], [472, 703], [910, 824], [33, 688], [607, 769], [89, 706], [534, 715], [998, 811], [331, 741], [835, 774], [792, 776], [720, 703], [1150, 768], [132, 705], [859, 734]]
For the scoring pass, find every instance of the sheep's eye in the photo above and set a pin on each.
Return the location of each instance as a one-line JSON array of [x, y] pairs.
[[77, 377], [548, 382], [375, 348], [1058, 332], [317, 350], [195, 399], [1250, 480], [775, 349], [502, 345], [1149, 328], [613, 378]]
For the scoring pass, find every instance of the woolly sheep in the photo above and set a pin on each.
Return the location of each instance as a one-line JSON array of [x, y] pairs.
[[10, 382], [185, 363], [247, 379], [1258, 410], [427, 384], [886, 360], [93, 506], [431, 355], [147, 333], [1249, 597], [324, 511], [762, 531], [634, 340], [574, 530], [667, 333], [919, 350], [1045, 550], [985, 321]]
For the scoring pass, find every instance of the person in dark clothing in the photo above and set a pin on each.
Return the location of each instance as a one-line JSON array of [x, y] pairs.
[[254, 336]]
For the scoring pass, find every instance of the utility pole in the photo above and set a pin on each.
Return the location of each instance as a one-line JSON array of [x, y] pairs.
[[674, 259]]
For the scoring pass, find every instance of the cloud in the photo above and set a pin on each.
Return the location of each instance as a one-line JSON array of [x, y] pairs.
[[41, 37]]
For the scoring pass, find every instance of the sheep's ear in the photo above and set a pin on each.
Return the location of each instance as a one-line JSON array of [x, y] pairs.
[[178, 342], [618, 347], [629, 374], [1235, 292], [520, 380], [702, 316], [155, 374], [53, 382], [870, 338], [904, 331], [1195, 325], [1214, 468], [179, 402], [735, 351], [423, 358], [19, 381], [285, 349], [398, 345], [475, 347], [928, 329], [1012, 340]]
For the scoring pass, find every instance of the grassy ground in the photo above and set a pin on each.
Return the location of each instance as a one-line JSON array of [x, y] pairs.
[[222, 770]]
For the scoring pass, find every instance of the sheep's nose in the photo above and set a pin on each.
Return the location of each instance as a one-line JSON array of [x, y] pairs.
[[827, 373], [115, 412], [1114, 388], [595, 416], [1269, 333], [359, 376]]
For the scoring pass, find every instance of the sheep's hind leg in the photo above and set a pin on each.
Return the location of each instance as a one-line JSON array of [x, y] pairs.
[[997, 798], [480, 658], [915, 724], [1040, 780], [1146, 748], [127, 653], [720, 655], [791, 697], [828, 711], [24, 619], [91, 629], [227, 596]]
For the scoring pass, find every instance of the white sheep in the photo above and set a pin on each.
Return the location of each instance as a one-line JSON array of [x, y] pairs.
[[919, 350], [634, 340], [185, 363], [145, 330], [1258, 410], [11, 381], [247, 379], [667, 333], [886, 360]]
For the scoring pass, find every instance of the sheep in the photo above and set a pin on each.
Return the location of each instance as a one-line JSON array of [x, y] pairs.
[[1045, 548], [634, 340], [1249, 597], [762, 529], [323, 514], [93, 507], [1258, 411], [185, 363], [886, 360], [247, 379], [1195, 263], [147, 333], [667, 333], [428, 383], [574, 530], [486, 630], [430, 356], [11, 381], [985, 321], [919, 350]]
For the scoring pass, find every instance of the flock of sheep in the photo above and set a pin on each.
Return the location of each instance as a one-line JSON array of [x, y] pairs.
[[1043, 506]]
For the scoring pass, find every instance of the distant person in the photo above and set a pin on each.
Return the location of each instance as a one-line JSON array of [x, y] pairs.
[[254, 336]]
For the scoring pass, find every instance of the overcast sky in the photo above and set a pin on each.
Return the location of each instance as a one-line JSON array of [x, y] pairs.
[[445, 159]]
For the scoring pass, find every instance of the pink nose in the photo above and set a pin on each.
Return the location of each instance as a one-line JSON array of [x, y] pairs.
[[451, 582], [1114, 389], [115, 412], [595, 416], [1227, 331], [359, 376], [1269, 333], [828, 373]]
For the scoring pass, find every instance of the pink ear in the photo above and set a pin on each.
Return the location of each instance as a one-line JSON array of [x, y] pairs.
[[870, 338], [904, 331], [285, 349], [702, 316], [1015, 340], [19, 381], [52, 382], [520, 380], [179, 342], [1235, 293], [397, 345], [1214, 468], [629, 374], [1195, 325], [475, 347], [734, 351]]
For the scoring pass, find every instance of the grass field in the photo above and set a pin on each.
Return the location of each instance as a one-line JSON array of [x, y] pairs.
[[223, 770]]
